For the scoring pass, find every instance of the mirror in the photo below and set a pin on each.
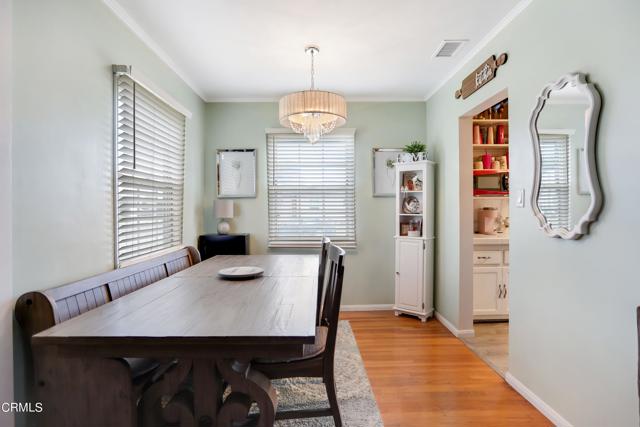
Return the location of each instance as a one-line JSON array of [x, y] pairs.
[[566, 195]]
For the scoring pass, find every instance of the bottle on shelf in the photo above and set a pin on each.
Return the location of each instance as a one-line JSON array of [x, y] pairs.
[[477, 137], [500, 138], [487, 161]]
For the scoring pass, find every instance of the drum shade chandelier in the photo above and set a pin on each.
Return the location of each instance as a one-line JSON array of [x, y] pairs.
[[313, 112]]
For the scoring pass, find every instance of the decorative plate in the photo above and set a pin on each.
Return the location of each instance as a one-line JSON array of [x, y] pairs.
[[241, 273], [411, 205]]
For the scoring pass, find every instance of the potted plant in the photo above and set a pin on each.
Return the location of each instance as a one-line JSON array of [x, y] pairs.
[[416, 151]]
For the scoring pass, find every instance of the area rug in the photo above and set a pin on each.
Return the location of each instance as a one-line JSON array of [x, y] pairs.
[[357, 404]]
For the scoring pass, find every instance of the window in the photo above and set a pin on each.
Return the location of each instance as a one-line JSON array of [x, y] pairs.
[[148, 172], [311, 189], [554, 196]]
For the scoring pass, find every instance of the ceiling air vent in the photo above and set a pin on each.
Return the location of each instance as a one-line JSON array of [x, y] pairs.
[[448, 48]]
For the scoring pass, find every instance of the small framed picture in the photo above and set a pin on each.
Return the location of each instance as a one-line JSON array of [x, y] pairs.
[[236, 173], [384, 171]]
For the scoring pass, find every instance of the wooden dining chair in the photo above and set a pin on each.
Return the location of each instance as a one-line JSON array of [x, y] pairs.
[[318, 358], [322, 269]]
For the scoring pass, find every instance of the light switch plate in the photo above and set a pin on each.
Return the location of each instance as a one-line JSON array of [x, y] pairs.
[[520, 198]]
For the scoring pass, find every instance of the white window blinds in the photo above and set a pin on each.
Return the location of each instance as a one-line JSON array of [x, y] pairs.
[[149, 172], [311, 190], [554, 197]]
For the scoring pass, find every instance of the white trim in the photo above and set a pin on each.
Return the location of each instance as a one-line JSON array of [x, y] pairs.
[[535, 400], [367, 307], [121, 13], [347, 98], [160, 93], [504, 22], [458, 333]]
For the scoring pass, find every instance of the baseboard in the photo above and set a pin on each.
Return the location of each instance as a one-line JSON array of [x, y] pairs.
[[455, 331], [366, 307], [539, 404]]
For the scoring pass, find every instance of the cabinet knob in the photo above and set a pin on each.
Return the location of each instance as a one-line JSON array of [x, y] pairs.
[[397, 273]]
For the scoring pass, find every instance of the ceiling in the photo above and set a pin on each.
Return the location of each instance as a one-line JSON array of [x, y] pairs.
[[369, 49]]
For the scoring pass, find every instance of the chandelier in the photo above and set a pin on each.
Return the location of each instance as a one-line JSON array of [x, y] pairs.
[[313, 112]]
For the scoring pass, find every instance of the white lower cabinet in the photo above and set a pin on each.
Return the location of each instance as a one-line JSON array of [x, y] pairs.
[[414, 282], [490, 288]]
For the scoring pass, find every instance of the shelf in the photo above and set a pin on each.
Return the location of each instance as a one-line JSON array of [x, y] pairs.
[[404, 214], [489, 121], [491, 193], [410, 191], [478, 172], [490, 145], [490, 196]]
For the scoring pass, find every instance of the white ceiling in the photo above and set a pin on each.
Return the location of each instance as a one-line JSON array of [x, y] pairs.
[[369, 49]]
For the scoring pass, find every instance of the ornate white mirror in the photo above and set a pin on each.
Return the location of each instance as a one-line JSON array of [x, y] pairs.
[[566, 194]]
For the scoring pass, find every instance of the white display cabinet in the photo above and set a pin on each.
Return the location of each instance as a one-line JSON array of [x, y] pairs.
[[414, 235]]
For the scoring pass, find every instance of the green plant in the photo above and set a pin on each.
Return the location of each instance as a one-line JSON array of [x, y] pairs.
[[415, 147]]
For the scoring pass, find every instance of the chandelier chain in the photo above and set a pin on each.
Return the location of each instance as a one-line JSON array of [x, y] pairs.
[[313, 70]]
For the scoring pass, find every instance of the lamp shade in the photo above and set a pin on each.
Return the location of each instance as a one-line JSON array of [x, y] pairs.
[[224, 208], [313, 112]]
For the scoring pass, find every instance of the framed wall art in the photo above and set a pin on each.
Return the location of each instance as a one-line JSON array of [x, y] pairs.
[[384, 171], [236, 173]]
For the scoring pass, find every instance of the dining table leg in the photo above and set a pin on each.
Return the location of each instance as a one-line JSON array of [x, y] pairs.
[[207, 390], [247, 385]]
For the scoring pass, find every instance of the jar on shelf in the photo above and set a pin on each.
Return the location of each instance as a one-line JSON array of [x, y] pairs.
[[415, 227]]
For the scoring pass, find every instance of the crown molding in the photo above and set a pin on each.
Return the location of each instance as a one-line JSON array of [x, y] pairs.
[[504, 22], [122, 14], [133, 25], [348, 99]]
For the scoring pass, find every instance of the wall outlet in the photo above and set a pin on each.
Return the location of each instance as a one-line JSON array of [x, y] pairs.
[[520, 198]]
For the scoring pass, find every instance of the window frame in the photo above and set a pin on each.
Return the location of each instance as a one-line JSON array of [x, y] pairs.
[[554, 136], [168, 101], [311, 242]]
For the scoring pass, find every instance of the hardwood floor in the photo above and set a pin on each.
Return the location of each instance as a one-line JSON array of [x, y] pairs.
[[423, 376]]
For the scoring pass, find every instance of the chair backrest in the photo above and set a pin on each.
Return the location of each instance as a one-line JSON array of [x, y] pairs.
[[40, 310], [333, 296], [322, 269]]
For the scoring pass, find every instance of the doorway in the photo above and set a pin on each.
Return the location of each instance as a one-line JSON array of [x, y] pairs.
[[484, 222]]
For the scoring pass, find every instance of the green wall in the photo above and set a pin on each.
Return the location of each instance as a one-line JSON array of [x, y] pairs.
[[62, 141], [370, 271], [573, 332], [6, 221]]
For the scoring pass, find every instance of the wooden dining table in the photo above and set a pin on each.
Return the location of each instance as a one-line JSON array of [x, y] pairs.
[[204, 330]]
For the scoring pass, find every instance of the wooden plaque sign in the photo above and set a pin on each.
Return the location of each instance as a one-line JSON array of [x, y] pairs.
[[481, 76]]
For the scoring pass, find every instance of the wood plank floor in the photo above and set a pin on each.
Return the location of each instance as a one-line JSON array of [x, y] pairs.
[[423, 376]]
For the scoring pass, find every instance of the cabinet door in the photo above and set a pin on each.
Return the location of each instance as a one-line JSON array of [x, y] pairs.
[[409, 273], [487, 290], [504, 301]]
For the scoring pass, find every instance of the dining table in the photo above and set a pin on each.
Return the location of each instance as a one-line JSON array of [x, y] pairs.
[[204, 332]]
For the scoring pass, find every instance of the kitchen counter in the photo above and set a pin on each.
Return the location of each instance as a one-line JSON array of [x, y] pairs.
[[486, 239]]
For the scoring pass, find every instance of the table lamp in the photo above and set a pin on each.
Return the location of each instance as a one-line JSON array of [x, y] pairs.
[[224, 211]]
